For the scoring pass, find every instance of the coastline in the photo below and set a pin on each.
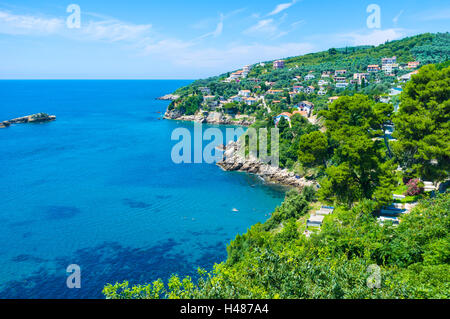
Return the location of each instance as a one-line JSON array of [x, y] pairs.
[[234, 162], [210, 118]]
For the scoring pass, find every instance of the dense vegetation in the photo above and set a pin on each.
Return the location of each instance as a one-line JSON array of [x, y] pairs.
[[425, 48], [338, 262], [358, 169]]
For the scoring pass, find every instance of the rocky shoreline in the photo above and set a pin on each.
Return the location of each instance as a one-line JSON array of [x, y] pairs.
[[169, 97], [34, 118], [210, 118], [234, 162]]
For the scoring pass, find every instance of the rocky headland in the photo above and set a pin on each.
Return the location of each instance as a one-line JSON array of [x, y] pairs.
[[169, 97], [210, 118], [233, 161]]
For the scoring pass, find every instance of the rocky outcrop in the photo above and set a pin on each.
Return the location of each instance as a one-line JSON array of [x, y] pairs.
[[210, 118], [4, 124], [235, 162], [169, 97], [35, 118]]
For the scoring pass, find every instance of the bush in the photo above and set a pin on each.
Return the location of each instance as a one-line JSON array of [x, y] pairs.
[[415, 187]]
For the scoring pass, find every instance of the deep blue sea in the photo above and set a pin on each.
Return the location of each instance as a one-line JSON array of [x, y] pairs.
[[97, 188]]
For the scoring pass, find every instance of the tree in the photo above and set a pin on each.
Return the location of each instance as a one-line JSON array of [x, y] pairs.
[[422, 125], [313, 149], [383, 113], [358, 171]]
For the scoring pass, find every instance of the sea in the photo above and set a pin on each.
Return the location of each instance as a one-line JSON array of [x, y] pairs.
[[98, 189]]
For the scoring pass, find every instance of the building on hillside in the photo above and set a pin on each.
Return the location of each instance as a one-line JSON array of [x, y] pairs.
[[358, 77], [373, 68], [274, 92], [244, 93], [205, 90], [340, 72], [389, 68], [298, 88], [326, 74], [322, 92], [236, 99], [309, 77], [322, 82], [340, 79], [392, 60], [302, 113], [246, 70], [250, 100], [309, 89], [413, 65], [341, 85], [285, 115], [332, 99], [407, 77], [305, 106], [278, 64]]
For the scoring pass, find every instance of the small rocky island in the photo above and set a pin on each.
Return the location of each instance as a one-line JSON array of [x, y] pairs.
[[34, 118]]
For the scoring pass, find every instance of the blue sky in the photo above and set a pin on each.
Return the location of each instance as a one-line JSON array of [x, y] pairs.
[[180, 39]]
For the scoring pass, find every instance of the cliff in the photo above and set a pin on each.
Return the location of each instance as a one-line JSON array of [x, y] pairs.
[[234, 162], [210, 118]]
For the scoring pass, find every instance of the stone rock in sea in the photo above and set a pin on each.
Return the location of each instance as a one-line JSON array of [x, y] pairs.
[[35, 118], [4, 124]]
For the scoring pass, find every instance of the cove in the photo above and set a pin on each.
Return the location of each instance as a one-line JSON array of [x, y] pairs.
[[97, 188]]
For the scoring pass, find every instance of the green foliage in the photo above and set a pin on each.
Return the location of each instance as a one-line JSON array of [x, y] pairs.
[[422, 124], [359, 170], [313, 149], [413, 260]]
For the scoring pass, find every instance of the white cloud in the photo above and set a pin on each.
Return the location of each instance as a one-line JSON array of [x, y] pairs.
[[233, 55], [266, 26], [395, 20], [281, 7], [217, 32], [114, 31], [28, 25], [374, 37]]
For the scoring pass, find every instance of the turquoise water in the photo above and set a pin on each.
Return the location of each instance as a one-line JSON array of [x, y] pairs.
[[97, 188]]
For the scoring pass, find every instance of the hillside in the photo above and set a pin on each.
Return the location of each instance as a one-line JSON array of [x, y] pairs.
[[378, 224]]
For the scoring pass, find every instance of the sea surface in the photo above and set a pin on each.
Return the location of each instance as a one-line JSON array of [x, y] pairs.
[[97, 188]]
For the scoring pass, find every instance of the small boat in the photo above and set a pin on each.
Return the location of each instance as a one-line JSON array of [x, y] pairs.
[[235, 210]]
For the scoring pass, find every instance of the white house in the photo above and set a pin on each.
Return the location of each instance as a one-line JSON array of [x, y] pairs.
[[309, 77], [285, 115], [236, 98], [297, 89], [244, 93], [250, 101], [309, 89], [341, 85]]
